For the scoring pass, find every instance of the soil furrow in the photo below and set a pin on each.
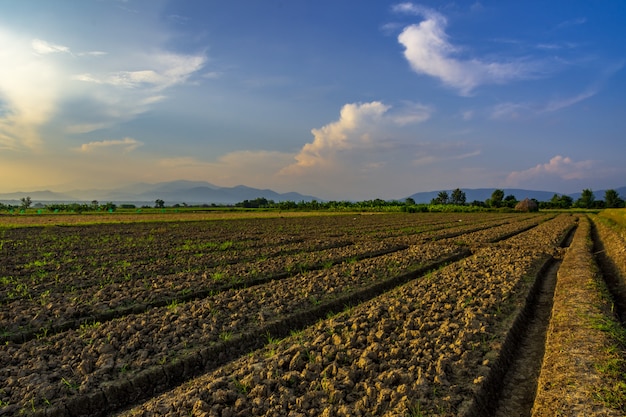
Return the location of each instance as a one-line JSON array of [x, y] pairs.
[[421, 348], [196, 295], [249, 316], [87, 310], [152, 381], [610, 255]]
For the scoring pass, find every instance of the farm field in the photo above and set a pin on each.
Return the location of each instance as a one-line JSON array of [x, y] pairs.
[[378, 314]]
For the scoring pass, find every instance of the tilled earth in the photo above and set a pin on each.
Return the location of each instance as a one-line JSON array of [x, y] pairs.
[[337, 315]]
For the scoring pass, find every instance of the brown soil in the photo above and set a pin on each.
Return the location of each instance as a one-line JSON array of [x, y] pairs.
[[334, 315], [572, 382], [428, 347]]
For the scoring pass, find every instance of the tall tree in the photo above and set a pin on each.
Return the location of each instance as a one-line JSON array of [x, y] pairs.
[[442, 198], [586, 199], [612, 199], [496, 198], [458, 197], [26, 202]]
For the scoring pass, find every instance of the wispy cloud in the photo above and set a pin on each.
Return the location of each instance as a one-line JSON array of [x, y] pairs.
[[44, 74], [559, 104], [126, 144], [428, 52], [571, 22], [29, 89], [163, 70], [559, 167], [43, 47], [433, 152], [520, 111]]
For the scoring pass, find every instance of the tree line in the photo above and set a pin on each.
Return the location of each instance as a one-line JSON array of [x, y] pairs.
[[443, 202]]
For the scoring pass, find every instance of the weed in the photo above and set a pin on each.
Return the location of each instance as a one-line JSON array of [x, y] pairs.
[[72, 386], [43, 298], [217, 276], [415, 410], [85, 327], [314, 300], [43, 333], [271, 340], [240, 386], [226, 336]]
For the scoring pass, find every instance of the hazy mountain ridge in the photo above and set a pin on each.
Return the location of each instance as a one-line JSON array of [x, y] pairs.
[[189, 192], [201, 192]]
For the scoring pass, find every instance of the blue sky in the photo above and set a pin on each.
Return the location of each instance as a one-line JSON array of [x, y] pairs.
[[341, 99]]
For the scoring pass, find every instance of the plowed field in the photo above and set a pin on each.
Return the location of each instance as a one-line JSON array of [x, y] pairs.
[[384, 314]]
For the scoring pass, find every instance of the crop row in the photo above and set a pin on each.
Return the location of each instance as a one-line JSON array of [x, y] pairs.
[[61, 307], [76, 363], [425, 348]]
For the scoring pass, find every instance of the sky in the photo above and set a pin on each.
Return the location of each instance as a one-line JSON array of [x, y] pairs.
[[339, 99]]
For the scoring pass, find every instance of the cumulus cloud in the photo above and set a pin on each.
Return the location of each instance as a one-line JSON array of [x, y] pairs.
[[360, 128], [126, 144], [429, 52], [558, 167]]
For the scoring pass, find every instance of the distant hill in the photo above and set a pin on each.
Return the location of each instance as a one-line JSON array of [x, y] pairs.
[[174, 192], [482, 194], [202, 192]]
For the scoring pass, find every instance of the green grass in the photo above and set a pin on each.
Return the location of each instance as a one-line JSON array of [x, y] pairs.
[[616, 216]]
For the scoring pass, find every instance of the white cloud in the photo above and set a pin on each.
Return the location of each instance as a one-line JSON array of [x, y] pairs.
[[43, 47], [126, 144], [360, 129], [558, 167], [428, 52], [29, 89], [44, 77], [559, 104], [161, 71]]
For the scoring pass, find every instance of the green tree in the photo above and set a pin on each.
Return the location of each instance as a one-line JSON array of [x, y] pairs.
[[612, 199], [561, 202], [442, 198], [510, 201], [458, 197], [586, 199], [496, 198], [159, 203], [409, 201], [26, 203]]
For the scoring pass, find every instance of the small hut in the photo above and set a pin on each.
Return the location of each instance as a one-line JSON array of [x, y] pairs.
[[527, 205]]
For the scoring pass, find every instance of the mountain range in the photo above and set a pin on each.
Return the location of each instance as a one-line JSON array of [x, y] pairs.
[[189, 192], [202, 192]]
